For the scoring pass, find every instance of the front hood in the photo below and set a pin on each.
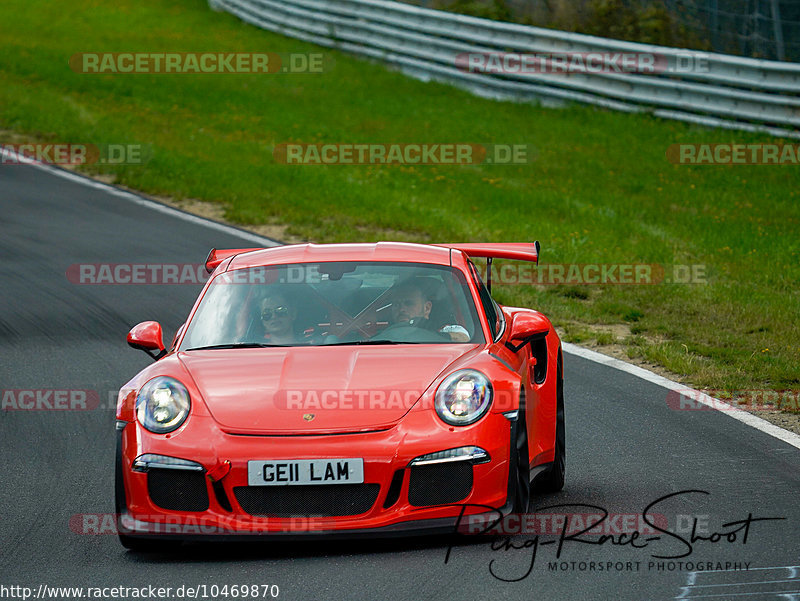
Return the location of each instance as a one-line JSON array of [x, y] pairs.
[[344, 388]]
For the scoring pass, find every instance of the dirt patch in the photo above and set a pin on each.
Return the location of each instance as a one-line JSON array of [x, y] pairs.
[[618, 349], [216, 212], [12, 137], [106, 178], [787, 421]]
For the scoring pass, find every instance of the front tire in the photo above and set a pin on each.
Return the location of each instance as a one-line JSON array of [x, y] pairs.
[[521, 466], [552, 479]]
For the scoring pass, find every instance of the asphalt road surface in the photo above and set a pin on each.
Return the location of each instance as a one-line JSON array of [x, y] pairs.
[[625, 449]]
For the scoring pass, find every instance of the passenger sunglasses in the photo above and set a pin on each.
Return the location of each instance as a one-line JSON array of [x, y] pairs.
[[266, 314]]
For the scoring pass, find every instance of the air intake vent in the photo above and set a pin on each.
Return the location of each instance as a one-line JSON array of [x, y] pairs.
[[440, 483], [178, 490], [394, 489]]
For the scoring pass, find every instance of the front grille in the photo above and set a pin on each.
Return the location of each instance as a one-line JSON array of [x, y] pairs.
[[313, 500], [177, 490], [438, 484]]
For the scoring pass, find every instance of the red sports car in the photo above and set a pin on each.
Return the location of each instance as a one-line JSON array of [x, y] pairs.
[[342, 389]]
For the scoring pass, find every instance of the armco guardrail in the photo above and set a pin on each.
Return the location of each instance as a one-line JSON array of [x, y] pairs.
[[717, 90]]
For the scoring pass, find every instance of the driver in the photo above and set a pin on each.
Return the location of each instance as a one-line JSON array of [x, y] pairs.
[[412, 304]]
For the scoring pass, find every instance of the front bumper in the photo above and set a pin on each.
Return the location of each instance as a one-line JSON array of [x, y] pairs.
[[398, 507]]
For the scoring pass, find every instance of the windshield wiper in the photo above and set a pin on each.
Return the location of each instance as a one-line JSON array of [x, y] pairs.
[[235, 345], [369, 342]]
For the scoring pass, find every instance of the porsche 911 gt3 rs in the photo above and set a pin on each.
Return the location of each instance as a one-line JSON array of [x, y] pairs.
[[343, 389]]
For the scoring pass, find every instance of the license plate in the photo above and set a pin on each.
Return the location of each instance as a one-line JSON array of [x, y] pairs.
[[305, 471]]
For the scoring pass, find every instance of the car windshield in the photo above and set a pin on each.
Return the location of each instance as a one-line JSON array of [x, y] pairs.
[[335, 303]]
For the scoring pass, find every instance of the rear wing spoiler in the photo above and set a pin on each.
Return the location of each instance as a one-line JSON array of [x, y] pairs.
[[519, 251], [215, 257]]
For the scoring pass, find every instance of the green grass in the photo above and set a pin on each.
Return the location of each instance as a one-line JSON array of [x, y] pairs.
[[600, 189]]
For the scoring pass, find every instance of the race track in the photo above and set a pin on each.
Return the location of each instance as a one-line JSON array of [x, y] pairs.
[[626, 448]]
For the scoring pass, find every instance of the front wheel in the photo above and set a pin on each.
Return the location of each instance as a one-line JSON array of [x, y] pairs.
[[521, 471]]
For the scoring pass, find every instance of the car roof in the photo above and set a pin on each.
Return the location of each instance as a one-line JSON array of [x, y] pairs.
[[404, 252]]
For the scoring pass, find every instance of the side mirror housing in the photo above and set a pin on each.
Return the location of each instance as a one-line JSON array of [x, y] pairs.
[[527, 326], [148, 337]]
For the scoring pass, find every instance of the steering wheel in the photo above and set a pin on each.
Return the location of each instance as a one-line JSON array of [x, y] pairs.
[[403, 332]]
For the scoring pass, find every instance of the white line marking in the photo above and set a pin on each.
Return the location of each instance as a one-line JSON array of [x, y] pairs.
[[144, 202], [686, 593], [792, 569], [781, 593], [734, 412], [747, 418], [743, 583]]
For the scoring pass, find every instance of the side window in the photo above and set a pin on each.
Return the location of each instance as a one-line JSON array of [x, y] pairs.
[[493, 314]]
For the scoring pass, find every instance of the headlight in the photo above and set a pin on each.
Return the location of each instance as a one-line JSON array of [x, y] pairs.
[[162, 405], [463, 397]]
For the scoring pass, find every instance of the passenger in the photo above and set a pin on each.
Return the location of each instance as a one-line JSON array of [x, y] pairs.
[[277, 317]]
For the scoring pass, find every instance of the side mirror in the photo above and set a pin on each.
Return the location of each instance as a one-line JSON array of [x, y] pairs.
[[147, 337], [527, 326]]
